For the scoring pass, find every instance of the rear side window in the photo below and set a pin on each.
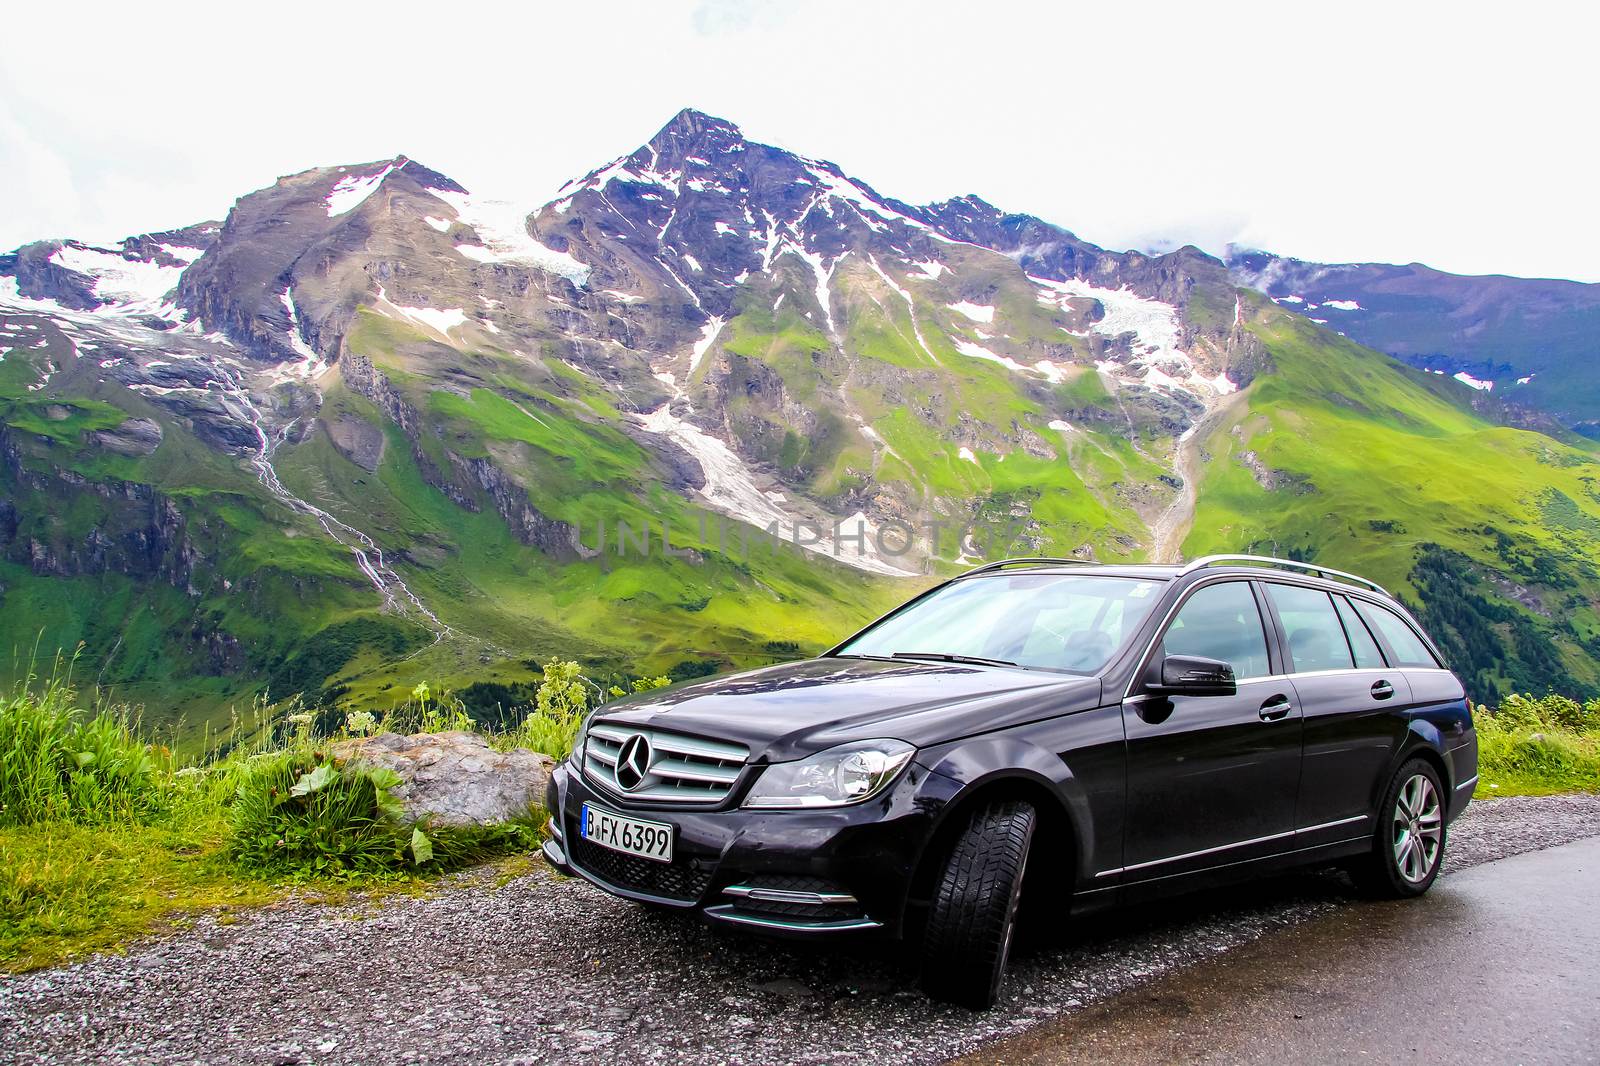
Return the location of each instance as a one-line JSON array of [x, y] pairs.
[[1316, 638], [1221, 622], [1403, 641], [1367, 654]]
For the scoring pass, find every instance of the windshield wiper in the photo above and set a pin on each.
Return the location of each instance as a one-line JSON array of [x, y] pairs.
[[947, 657]]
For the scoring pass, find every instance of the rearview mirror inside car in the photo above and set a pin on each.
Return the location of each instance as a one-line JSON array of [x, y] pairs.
[[1195, 675]]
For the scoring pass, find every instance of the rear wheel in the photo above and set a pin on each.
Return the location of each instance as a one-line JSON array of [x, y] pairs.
[[1408, 847], [973, 917]]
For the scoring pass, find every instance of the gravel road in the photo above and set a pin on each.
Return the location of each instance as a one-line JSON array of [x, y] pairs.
[[542, 969]]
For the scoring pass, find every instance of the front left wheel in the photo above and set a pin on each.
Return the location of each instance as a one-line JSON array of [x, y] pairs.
[[974, 912]]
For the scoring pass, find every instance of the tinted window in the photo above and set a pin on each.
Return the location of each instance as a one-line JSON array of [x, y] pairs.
[[1407, 646], [1367, 654], [1316, 639], [1053, 621], [1221, 622]]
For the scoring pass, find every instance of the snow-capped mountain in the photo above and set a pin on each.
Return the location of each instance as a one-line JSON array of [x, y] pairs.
[[371, 411]]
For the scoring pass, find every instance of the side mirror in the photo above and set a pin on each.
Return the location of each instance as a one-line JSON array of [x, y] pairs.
[[1195, 675]]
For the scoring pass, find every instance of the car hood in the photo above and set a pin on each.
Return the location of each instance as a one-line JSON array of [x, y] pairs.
[[791, 711]]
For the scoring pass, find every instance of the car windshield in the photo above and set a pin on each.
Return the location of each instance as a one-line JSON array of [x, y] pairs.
[[1046, 621]]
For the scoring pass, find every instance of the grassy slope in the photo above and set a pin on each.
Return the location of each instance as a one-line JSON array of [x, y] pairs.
[[923, 397], [551, 429], [1380, 460]]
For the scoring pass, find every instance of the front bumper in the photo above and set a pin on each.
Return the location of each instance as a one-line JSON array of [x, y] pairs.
[[797, 873]]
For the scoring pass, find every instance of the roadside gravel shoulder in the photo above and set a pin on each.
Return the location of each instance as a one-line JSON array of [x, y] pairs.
[[544, 969]]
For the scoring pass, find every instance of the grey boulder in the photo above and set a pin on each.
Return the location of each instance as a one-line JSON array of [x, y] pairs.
[[454, 778]]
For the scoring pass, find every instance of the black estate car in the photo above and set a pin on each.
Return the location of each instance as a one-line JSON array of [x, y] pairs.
[[1040, 732]]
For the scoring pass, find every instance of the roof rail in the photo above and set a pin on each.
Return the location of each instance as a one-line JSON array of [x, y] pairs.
[[999, 564], [1287, 564]]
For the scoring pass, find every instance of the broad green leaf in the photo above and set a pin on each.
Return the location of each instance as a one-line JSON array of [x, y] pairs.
[[315, 781], [389, 806], [83, 758], [421, 846], [383, 777]]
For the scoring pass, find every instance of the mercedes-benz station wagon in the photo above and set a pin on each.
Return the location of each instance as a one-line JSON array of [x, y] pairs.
[[1043, 734]]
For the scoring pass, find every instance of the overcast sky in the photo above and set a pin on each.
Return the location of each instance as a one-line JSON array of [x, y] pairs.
[[1388, 132]]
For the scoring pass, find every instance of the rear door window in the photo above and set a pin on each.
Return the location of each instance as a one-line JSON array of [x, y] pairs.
[[1221, 622], [1316, 637], [1368, 656], [1407, 647]]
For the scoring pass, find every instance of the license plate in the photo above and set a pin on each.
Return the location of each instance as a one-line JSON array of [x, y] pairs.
[[635, 836]]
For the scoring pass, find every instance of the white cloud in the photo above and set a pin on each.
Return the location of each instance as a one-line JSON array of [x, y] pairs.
[[1370, 131]]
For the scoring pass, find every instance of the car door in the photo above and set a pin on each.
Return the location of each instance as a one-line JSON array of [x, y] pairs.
[[1211, 779], [1352, 704]]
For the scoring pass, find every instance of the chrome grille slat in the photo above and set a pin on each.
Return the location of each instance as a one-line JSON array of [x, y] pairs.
[[682, 770]]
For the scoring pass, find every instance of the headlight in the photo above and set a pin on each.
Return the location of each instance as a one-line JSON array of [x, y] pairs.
[[847, 774]]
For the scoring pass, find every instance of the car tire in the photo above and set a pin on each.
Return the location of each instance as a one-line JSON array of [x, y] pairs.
[[1408, 844], [973, 915]]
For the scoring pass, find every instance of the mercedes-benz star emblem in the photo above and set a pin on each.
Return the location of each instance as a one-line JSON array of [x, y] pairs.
[[633, 762]]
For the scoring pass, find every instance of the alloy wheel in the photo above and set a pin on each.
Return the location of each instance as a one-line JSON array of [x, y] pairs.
[[1418, 829]]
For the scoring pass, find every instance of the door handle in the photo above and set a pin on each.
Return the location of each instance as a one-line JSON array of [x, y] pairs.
[[1382, 690], [1276, 709]]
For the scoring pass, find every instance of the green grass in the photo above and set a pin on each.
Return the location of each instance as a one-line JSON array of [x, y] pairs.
[[68, 889], [1538, 746], [104, 837]]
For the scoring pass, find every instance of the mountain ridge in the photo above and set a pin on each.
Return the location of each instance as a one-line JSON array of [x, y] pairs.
[[386, 422]]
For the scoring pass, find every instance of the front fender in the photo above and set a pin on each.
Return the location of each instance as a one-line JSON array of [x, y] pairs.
[[1078, 760]]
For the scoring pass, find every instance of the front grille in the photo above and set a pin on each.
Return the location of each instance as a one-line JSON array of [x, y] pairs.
[[675, 880], [681, 769]]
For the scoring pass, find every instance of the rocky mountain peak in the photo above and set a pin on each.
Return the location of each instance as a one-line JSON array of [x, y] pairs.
[[690, 131]]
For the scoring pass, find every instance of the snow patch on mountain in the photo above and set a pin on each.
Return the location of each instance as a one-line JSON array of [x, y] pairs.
[[731, 489], [976, 312], [708, 337], [1342, 305], [502, 227], [311, 364], [1154, 324], [351, 192], [978, 351], [128, 286], [182, 253], [440, 320], [824, 275], [1472, 382]]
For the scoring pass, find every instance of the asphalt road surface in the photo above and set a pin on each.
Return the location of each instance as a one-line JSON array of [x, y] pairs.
[[1498, 964], [538, 969]]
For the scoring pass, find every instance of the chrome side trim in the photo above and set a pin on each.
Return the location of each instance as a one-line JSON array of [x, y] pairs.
[[726, 913], [1195, 854], [1333, 825], [784, 895], [1470, 782]]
